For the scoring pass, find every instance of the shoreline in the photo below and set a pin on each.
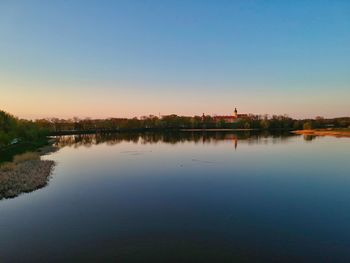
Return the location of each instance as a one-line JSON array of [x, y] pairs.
[[325, 132], [7, 153], [217, 130]]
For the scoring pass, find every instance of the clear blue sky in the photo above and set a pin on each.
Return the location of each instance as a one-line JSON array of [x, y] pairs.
[[132, 58]]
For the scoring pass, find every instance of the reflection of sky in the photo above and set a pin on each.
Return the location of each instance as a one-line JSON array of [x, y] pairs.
[[287, 152], [139, 197], [184, 57]]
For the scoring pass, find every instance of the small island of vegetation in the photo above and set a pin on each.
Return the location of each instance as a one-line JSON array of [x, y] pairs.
[[26, 173]]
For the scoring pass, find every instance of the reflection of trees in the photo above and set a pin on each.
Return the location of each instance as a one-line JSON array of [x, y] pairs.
[[167, 137], [309, 137]]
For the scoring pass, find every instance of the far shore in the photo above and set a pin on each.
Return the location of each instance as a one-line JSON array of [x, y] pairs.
[[325, 132]]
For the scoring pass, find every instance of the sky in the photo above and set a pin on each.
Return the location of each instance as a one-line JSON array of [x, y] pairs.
[[131, 58]]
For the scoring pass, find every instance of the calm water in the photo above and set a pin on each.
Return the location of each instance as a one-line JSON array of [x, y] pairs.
[[186, 198]]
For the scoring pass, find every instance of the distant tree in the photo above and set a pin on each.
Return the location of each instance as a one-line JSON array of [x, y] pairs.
[[264, 124], [308, 126]]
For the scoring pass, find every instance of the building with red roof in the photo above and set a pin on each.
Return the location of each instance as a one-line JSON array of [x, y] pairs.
[[230, 118]]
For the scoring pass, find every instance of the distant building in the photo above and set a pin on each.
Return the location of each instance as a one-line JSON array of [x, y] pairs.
[[231, 118]]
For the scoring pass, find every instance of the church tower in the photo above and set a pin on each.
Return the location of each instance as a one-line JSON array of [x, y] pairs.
[[235, 114]]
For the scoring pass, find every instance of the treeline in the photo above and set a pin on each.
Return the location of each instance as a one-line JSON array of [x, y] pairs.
[[273, 123], [13, 130]]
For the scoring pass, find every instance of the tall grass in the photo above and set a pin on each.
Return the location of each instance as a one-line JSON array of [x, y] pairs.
[[4, 167], [17, 159], [26, 157]]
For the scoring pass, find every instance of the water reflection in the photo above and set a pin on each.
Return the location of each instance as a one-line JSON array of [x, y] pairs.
[[185, 197], [251, 138], [309, 137]]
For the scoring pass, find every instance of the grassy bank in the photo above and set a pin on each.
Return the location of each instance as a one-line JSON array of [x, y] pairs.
[[7, 153]]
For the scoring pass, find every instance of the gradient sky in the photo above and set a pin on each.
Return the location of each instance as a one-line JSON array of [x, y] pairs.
[[133, 58]]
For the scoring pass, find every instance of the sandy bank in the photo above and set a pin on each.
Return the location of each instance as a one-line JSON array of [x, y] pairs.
[[335, 133], [216, 130]]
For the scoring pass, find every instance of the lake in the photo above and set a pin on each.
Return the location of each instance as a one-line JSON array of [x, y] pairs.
[[186, 197]]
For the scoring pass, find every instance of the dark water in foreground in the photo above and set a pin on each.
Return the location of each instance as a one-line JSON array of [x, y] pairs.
[[186, 198]]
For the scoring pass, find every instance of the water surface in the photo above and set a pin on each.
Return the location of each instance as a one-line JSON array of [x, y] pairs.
[[186, 197]]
